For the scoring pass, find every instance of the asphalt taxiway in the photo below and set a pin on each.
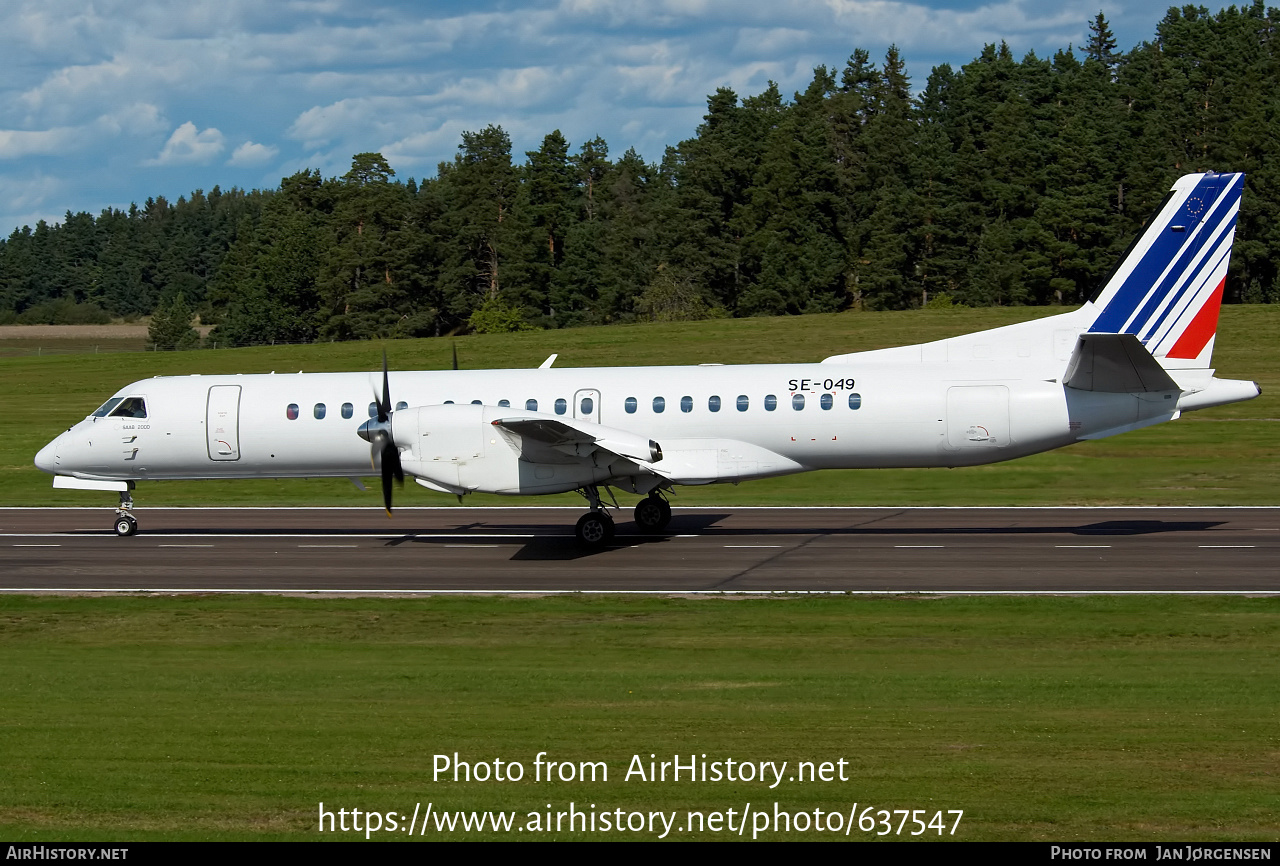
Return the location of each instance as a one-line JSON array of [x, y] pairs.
[[704, 550]]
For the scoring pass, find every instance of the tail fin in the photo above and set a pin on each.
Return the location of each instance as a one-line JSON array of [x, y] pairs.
[[1168, 288]]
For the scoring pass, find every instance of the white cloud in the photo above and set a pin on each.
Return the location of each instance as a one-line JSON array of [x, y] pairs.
[[187, 146], [16, 143], [252, 153], [137, 119], [72, 85]]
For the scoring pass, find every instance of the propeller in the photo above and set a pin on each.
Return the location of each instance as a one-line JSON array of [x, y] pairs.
[[377, 432]]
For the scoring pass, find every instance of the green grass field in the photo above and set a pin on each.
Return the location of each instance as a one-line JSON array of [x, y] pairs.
[[1219, 456], [1065, 719]]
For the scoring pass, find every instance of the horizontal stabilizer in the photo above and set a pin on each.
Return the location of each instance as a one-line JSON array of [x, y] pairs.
[[1115, 363]]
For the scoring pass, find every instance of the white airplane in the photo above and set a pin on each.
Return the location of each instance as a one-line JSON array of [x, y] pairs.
[[1137, 355]]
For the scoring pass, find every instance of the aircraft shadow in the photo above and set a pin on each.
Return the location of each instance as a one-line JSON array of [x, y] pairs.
[[562, 547], [567, 549]]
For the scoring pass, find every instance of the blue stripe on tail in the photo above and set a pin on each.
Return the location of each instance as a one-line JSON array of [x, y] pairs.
[[1201, 214]]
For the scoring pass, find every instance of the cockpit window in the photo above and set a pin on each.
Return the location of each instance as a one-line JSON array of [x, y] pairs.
[[130, 407], [107, 407]]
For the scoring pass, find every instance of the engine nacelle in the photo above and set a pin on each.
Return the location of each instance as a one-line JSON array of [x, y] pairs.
[[459, 449]]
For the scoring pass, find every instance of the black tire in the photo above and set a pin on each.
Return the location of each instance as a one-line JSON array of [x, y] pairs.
[[666, 513], [594, 529], [652, 514], [126, 526]]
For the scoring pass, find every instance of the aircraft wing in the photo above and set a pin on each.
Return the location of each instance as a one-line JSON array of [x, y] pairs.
[[547, 440]]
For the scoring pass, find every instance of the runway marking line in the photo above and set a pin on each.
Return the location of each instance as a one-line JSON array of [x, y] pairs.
[[37, 545], [1082, 546], [327, 546], [919, 546], [185, 545], [1228, 546], [753, 546], [1261, 593]]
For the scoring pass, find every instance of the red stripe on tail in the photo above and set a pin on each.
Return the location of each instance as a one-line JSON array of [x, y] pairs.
[[1202, 328]]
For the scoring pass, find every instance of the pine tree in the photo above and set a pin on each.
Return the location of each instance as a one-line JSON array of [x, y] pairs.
[[1102, 44], [170, 327]]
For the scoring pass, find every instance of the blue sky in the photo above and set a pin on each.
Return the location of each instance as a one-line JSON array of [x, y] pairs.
[[108, 102]]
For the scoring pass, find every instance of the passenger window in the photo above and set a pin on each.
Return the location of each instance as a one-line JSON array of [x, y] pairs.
[[318, 411], [630, 405], [770, 403], [531, 405], [292, 412], [797, 402], [505, 404], [855, 401], [348, 410], [587, 405], [448, 402], [827, 401], [659, 405], [743, 403], [373, 410], [713, 404], [686, 404], [476, 403], [562, 405], [130, 407], [401, 405], [105, 408]]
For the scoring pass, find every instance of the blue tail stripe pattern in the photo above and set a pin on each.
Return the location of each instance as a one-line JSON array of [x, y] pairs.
[[1207, 216], [1158, 330]]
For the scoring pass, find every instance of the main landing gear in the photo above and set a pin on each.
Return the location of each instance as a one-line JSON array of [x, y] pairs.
[[653, 513], [595, 529], [126, 523]]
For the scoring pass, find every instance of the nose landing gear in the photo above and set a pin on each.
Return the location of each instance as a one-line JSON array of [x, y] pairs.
[[126, 524]]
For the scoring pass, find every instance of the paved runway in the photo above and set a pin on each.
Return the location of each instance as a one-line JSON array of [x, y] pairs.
[[705, 550]]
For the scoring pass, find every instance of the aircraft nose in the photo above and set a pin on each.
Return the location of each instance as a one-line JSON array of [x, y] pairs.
[[47, 458]]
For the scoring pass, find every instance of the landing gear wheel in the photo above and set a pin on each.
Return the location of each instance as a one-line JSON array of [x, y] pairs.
[[126, 525], [652, 514], [594, 529]]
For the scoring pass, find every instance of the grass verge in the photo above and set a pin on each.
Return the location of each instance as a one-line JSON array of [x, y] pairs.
[[1052, 719]]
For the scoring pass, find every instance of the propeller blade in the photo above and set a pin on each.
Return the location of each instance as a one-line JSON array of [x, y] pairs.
[[391, 469], [455, 356], [382, 446], [384, 402]]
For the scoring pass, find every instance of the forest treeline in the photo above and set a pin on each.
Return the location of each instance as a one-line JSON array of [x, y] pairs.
[[1004, 182]]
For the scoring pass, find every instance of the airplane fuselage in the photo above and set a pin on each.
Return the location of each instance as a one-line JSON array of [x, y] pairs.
[[739, 418]]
